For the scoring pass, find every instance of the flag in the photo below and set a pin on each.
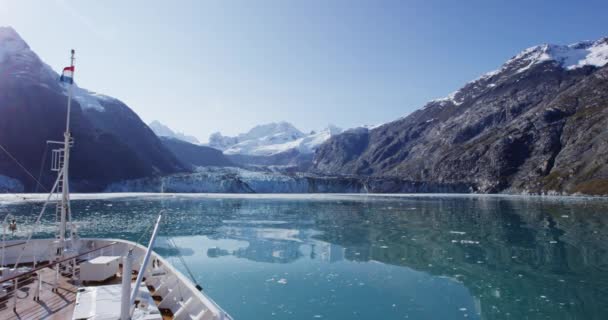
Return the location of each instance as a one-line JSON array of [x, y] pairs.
[[67, 75]]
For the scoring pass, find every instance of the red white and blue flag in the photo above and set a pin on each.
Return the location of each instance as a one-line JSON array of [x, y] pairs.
[[67, 75]]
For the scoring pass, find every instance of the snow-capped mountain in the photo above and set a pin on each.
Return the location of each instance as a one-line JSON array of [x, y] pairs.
[[568, 57], [23, 65], [537, 124], [111, 141], [271, 139], [162, 130]]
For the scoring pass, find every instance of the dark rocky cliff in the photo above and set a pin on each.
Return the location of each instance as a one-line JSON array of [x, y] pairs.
[[536, 125], [111, 141], [192, 155]]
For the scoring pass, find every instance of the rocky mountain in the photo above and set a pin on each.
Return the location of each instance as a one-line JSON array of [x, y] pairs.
[[538, 124], [111, 141], [162, 130], [192, 155]]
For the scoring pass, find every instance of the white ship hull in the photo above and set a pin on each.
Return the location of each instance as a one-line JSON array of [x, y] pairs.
[[173, 290]]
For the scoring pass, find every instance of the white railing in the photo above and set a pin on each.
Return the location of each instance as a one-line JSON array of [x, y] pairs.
[[177, 292]]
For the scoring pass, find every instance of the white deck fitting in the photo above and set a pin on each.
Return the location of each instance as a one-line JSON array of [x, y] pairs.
[[100, 268], [103, 303]]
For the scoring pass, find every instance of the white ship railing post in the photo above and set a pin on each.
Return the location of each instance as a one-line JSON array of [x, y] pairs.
[[127, 268], [142, 268]]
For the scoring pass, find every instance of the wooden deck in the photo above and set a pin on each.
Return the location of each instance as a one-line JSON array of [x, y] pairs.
[[52, 305]]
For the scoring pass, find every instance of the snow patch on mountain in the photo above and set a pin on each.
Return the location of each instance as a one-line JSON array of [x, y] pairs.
[[14, 51], [10, 43], [450, 98], [23, 64], [569, 57], [86, 99], [162, 130], [270, 139]]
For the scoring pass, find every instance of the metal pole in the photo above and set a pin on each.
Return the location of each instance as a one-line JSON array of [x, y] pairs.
[[142, 269], [3, 242], [38, 286], [15, 294], [65, 200], [74, 269], [56, 282]]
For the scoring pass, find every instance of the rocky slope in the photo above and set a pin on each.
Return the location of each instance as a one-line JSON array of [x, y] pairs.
[[192, 155], [111, 141], [162, 130], [538, 124]]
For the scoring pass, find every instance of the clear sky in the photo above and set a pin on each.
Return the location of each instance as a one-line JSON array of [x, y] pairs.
[[206, 66]]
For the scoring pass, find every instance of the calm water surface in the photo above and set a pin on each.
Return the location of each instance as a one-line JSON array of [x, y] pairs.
[[362, 257]]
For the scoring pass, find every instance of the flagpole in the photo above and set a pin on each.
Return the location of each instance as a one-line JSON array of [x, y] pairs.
[[65, 199]]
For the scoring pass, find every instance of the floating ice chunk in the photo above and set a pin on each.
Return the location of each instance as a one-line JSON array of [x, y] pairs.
[[465, 241], [457, 232]]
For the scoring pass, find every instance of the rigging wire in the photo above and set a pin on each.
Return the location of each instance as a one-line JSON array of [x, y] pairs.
[[171, 242], [38, 219], [42, 163], [181, 259], [143, 234], [24, 169]]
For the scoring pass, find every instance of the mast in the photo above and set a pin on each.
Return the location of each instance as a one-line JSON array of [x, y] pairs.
[[65, 197]]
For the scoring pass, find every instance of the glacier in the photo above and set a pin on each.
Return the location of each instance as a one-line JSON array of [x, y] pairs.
[[264, 180], [235, 180]]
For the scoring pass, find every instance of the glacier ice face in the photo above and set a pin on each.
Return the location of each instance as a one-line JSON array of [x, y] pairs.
[[235, 180], [238, 180]]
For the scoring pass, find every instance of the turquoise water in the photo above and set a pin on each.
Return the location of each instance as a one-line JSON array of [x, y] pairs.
[[358, 257]]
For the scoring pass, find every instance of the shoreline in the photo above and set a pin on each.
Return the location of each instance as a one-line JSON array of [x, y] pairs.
[[41, 197]]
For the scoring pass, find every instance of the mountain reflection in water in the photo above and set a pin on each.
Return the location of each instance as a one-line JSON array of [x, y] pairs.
[[479, 257]]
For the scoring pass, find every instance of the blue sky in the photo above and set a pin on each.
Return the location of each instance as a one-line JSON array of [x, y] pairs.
[[206, 66]]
